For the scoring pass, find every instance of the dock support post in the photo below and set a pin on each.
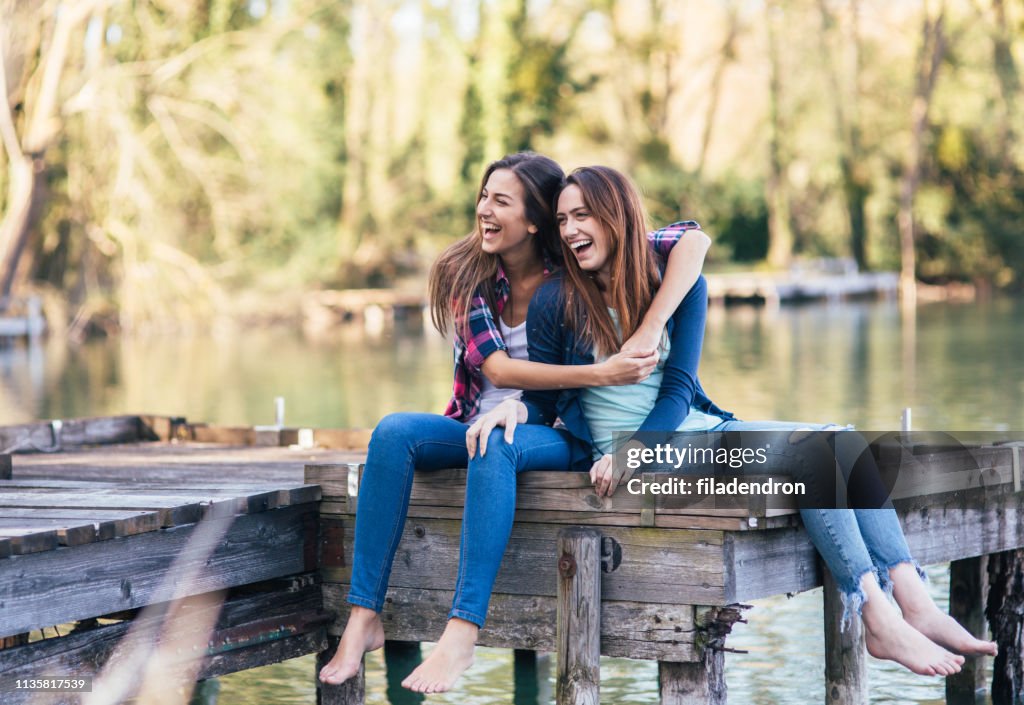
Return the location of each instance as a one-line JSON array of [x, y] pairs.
[[351, 692], [697, 682], [846, 673], [967, 583], [529, 676], [1005, 612], [578, 625], [400, 659]]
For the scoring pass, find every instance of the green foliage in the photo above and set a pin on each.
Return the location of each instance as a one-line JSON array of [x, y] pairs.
[[207, 150]]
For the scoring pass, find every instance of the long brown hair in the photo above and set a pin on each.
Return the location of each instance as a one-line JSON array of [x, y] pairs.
[[615, 202], [464, 269]]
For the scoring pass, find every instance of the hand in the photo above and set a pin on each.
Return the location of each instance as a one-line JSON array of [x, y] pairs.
[[508, 413], [628, 367], [604, 476], [644, 339]]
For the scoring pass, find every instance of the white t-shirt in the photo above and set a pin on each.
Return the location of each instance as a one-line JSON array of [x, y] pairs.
[[515, 341]]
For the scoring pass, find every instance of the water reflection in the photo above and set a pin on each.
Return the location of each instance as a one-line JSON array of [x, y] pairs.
[[958, 365]]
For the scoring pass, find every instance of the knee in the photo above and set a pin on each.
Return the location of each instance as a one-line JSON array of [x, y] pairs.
[[393, 429], [499, 453]]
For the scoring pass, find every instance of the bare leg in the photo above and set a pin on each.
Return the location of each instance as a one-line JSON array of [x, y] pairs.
[[887, 636], [448, 661], [924, 615], [363, 632]]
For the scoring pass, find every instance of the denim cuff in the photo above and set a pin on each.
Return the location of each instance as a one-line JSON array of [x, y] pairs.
[[468, 616], [364, 602]]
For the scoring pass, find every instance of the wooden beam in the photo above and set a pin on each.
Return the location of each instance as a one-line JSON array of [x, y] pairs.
[[125, 574], [968, 583], [675, 566], [578, 628], [351, 692], [846, 669], [256, 626], [70, 433], [629, 629], [1005, 612]]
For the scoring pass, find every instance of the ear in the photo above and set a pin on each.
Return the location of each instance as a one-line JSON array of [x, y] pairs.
[[532, 229]]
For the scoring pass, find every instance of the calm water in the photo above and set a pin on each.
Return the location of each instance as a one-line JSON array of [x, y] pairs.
[[960, 366]]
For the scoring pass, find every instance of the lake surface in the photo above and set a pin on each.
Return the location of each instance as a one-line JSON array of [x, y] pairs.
[[959, 366]]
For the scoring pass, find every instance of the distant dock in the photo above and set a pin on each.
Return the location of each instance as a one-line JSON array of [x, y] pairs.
[[21, 318], [828, 280]]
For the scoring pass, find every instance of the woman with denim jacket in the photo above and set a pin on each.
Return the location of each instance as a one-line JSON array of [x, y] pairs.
[[481, 287], [580, 318]]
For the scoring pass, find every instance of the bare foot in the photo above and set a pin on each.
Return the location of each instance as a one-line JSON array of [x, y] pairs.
[[888, 636], [898, 641], [363, 632], [448, 661], [946, 631], [924, 615]]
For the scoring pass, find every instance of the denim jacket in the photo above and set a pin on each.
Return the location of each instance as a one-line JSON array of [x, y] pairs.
[[551, 341]]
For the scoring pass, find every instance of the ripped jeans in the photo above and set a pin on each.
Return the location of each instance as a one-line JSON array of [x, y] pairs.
[[852, 542]]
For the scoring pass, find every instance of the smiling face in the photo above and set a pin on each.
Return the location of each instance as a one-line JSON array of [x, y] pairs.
[[501, 215], [583, 233]]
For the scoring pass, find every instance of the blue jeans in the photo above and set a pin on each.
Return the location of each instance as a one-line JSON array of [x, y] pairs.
[[405, 442], [852, 542]]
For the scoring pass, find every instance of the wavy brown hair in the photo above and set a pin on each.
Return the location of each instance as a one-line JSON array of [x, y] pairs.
[[464, 269], [615, 202]]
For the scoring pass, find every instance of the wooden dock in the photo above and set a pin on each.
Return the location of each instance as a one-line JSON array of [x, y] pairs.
[[827, 280], [22, 318], [122, 527]]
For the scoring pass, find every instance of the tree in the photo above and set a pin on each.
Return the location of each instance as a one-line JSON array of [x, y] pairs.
[[35, 76]]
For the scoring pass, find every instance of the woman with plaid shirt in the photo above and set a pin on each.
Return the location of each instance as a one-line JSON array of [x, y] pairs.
[[482, 286]]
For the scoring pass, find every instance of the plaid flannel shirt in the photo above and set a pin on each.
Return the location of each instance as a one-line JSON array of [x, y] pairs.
[[485, 335]]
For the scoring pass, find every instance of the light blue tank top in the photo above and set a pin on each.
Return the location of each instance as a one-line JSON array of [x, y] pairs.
[[625, 407]]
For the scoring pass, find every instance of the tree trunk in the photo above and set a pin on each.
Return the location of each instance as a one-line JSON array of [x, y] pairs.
[[24, 176], [780, 227], [855, 185], [933, 47]]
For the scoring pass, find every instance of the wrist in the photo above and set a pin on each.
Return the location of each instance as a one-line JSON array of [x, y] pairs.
[[653, 322]]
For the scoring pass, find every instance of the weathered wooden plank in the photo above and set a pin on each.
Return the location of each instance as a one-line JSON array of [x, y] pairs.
[[665, 521], [967, 588], [159, 428], [554, 497], [173, 511], [125, 573], [971, 524], [1005, 611], [676, 566], [109, 523], [628, 629], [846, 668], [69, 433], [253, 629], [351, 692], [356, 439], [965, 524], [699, 682], [29, 540], [69, 533], [763, 563], [578, 617]]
